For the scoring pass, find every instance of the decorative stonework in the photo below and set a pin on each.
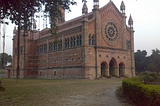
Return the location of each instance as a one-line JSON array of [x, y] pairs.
[[110, 33], [111, 10]]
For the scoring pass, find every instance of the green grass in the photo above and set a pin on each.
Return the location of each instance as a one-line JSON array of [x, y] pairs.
[[36, 92]]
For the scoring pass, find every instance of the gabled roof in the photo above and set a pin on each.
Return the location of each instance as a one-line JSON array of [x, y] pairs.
[[75, 22], [101, 9]]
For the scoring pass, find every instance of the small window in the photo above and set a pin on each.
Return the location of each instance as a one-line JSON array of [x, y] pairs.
[[128, 45], [40, 73], [72, 59], [54, 61], [54, 73]]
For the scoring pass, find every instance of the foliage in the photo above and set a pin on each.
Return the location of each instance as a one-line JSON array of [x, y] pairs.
[[140, 60], [22, 12], [2, 89], [138, 92], [150, 77], [109, 76], [7, 58], [154, 61], [150, 63]]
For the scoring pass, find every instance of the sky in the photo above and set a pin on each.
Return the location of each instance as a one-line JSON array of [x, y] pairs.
[[145, 15]]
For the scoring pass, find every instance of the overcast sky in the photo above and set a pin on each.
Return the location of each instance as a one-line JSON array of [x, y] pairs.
[[145, 15]]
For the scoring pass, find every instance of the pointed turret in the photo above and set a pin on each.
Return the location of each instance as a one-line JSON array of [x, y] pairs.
[[34, 25], [130, 22], [122, 7], [85, 8], [14, 31]]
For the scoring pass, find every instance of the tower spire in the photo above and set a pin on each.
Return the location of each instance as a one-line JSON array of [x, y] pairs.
[[122, 7], [130, 22], [85, 8]]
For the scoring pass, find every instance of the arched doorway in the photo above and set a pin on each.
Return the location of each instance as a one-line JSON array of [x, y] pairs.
[[112, 67], [121, 69], [104, 69]]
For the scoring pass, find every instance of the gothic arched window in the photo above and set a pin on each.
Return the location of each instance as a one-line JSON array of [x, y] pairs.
[[45, 48], [59, 44], [74, 41], [71, 42], [77, 40], [68, 43], [55, 45], [80, 40], [93, 41], [89, 39], [37, 49], [65, 43], [50, 46]]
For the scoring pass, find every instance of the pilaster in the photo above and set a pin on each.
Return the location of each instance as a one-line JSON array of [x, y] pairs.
[[132, 52], [124, 31], [85, 42]]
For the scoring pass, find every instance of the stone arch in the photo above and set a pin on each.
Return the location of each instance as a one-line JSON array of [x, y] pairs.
[[104, 69], [113, 67], [121, 69]]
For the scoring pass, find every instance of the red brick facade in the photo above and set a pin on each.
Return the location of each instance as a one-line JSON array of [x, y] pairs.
[[92, 45]]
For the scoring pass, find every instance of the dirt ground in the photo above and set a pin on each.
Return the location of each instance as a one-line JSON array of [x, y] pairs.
[[38, 92], [104, 96]]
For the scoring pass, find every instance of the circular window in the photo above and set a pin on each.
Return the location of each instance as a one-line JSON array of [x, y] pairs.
[[110, 33]]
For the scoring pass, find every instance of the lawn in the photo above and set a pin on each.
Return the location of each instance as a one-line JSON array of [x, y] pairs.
[[39, 92]]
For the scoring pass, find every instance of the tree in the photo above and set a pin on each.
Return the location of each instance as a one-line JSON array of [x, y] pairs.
[[154, 61], [140, 60], [6, 58], [21, 12]]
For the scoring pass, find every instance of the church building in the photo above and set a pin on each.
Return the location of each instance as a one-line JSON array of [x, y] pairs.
[[96, 44]]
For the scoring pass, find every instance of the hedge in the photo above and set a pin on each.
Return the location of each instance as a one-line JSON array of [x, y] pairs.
[[141, 94]]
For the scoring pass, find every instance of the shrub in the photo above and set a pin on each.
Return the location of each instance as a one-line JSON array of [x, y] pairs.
[[2, 89], [109, 76], [142, 95]]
